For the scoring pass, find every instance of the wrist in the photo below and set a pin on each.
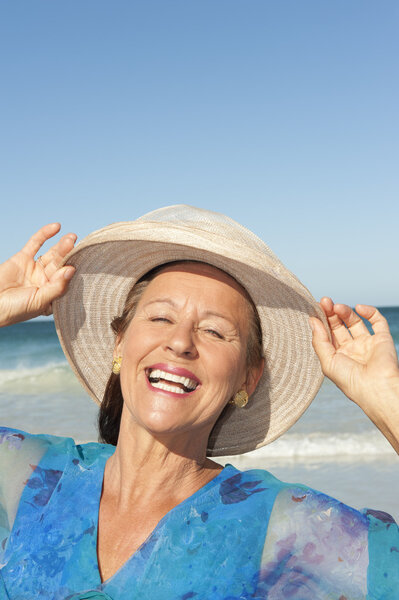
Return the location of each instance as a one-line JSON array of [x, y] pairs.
[[388, 389], [384, 410]]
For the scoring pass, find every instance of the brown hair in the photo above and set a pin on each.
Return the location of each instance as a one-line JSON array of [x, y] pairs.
[[109, 417]]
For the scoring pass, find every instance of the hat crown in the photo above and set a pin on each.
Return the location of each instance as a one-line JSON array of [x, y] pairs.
[[209, 222]]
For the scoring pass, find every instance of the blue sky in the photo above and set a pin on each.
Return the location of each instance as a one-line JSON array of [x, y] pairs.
[[280, 113]]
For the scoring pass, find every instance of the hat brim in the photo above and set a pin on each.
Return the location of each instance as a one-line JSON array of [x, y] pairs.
[[109, 262]]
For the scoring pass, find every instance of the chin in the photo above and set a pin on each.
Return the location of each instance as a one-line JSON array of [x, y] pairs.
[[161, 422]]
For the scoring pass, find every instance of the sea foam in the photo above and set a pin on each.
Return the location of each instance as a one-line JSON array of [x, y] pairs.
[[46, 379], [369, 443]]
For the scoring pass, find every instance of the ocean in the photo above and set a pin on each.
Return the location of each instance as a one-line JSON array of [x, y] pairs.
[[333, 447]]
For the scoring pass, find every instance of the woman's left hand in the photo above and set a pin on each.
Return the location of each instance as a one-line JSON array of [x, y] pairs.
[[364, 366]]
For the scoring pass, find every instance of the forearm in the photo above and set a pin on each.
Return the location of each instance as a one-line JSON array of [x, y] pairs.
[[384, 411]]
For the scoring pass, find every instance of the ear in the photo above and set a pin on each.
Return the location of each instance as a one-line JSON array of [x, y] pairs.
[[253, 376], [118, 345]]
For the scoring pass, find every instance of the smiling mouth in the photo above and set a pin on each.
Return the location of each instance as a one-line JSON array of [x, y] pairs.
[[171, 382]]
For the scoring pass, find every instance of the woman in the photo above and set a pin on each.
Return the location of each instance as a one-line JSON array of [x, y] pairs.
[[210, 354]]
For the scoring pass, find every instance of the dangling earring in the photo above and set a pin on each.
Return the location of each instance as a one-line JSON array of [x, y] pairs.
[[240, 399], [116, 365]]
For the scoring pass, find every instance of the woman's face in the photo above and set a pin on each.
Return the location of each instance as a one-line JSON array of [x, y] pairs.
[[184, 352]]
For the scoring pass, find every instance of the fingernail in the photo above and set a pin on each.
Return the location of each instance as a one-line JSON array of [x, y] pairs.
[[311, 324], [69, 273]]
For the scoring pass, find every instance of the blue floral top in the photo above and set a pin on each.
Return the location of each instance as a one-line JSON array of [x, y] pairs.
[[244, 535]]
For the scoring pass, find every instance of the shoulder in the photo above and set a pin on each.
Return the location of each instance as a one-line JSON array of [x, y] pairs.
[[328, 546], [20, 455], [237, 486], [37, 461], [312, 520], [316, 543], [19, 449], [300, 503], [248, 478]]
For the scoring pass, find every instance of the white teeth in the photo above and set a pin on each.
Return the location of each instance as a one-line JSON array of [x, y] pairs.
[[158, 374], [167, 388]]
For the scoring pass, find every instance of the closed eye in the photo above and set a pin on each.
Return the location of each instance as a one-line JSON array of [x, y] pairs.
[[214, 333], [162, 319]]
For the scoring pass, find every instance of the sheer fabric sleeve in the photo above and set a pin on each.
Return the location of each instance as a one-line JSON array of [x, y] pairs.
[[383, 572], [318, 547], [19, 453]]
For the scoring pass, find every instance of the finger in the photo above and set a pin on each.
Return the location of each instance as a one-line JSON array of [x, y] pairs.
[[60, 249], [54, 288], [37, 240], [352, 321], [52, 259], [375, 318], [321, 344], [340, 334]]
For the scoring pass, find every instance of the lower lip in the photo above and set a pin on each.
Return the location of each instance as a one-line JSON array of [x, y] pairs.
[[167, 393]]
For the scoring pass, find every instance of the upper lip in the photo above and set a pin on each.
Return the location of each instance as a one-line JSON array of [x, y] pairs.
[[175, 370]]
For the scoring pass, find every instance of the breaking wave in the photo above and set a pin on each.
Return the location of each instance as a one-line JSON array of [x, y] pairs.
[[369, 443], [51, 378]]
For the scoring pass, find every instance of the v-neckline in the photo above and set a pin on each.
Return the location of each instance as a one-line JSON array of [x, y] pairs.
[[214, 481]]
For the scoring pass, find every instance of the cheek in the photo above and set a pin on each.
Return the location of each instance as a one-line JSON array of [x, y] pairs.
[[137, 343], [134, 348], [227, 368]]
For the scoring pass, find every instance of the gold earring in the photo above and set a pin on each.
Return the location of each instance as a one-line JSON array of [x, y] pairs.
[[116, 365], [240, 399]]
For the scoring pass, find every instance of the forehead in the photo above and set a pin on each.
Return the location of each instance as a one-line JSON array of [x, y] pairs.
[[201, 279]]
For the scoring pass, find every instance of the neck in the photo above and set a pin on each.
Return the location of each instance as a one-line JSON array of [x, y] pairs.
[[145, 468]]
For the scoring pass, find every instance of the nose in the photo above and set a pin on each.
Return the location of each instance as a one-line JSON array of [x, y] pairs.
[[180, 340]]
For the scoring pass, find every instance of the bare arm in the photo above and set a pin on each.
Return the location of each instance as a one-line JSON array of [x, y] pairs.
[[364, 366], [28, 286]]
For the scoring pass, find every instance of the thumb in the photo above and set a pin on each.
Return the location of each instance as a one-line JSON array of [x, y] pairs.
[[56, 286], [321, 344]]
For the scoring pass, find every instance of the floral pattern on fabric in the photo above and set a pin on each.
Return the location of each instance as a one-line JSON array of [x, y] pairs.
[[316, 547], [234, 489], [243, 536], [13, 439], [44, 481]]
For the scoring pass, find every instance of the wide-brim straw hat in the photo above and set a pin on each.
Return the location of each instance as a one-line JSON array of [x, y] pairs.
[[108, 263]]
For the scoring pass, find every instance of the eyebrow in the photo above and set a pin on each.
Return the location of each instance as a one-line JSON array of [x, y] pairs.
[[207, 313], [157, 300]]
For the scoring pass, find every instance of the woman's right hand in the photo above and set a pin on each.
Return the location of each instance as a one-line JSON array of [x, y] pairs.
[[28, 286]]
